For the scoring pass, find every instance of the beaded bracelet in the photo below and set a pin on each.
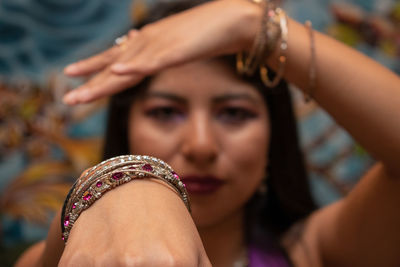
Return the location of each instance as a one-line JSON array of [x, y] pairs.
[[282, 53], [264, 43], [107, 175]]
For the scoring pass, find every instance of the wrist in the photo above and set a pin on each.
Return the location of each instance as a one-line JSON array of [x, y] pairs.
[[112, 173], [250, 23], [127, 206]]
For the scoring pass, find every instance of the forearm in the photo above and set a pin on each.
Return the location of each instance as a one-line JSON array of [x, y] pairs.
[[363, 229], [364, 98], [141, 220], [32, 256], [54, 244], [44, 253], [362, 95]]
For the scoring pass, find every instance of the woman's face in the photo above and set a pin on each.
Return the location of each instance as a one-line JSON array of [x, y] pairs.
[[212, 128]]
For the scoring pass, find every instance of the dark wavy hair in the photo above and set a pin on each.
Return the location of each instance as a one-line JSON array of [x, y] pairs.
[[288, 198]]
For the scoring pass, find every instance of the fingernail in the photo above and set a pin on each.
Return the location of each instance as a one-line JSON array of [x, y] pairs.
[[70, 98], [71, 68]]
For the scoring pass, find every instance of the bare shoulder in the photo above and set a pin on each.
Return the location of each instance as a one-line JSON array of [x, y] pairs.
[[303, 240]]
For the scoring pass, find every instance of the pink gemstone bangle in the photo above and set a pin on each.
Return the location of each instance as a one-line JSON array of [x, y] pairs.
[[107, 175]]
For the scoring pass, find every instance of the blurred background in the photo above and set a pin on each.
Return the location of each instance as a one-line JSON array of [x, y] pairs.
[[45, 145]]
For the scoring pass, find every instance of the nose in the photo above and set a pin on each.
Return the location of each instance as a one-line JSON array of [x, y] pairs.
[[200, 146]]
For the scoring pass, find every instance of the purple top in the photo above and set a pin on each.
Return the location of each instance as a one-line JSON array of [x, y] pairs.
[[261, 258]]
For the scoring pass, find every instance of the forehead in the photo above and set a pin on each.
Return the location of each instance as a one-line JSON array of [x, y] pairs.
[[202, 79]]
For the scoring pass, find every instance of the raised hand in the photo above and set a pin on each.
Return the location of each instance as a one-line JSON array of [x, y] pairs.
[[214, 28]]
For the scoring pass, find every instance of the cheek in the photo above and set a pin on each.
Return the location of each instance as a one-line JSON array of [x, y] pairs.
[[248, 156], [145, 139]]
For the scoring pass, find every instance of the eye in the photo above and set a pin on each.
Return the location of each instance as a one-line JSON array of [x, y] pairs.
[[234, 115], [165, 114]]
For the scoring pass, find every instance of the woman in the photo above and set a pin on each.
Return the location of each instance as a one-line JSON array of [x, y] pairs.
[[162, 117], [215, 129]]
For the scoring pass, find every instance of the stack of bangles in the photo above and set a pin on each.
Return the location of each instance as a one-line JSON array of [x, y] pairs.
[[273, 33], [107, 175]]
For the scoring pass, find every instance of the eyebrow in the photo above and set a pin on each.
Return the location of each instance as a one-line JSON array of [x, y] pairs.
[[216, 99], [235, 96], [165, 95]]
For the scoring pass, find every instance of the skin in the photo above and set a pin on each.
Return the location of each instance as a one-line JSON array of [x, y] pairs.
[[361, 95], [203, 120]]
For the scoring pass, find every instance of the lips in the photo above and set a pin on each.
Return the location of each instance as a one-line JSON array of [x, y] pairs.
[[202, 185]]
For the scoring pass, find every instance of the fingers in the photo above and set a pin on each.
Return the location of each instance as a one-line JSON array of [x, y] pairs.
[[101, 85], [135, 48], [147, 56], [105, 82], [143, 64], [159, 45], [92, 64], [102, 60]]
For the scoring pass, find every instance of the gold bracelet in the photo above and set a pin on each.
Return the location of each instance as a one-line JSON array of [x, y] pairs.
[[282, 53], [308, 92], [264, 43], [109, 174]]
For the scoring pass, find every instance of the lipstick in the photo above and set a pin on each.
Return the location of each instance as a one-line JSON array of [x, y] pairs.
[[202, 185]]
